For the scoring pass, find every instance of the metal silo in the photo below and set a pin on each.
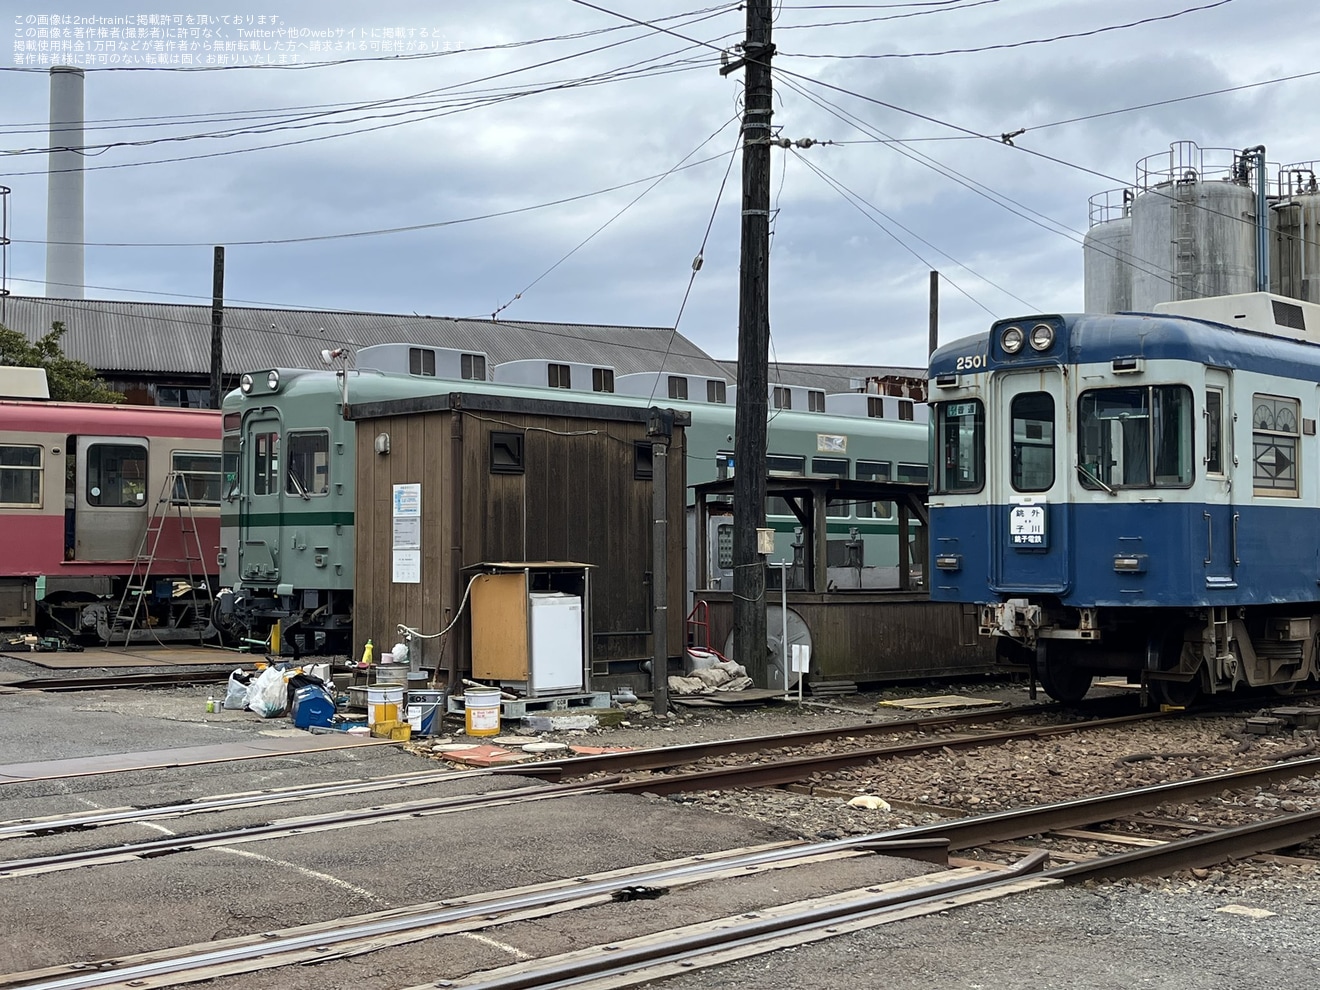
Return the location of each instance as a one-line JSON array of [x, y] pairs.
[[1107, 253], [1193, 226], [1295, 234]]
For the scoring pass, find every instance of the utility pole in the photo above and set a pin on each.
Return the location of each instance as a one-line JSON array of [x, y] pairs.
[[934, 340], [749, 632], [217, 324]]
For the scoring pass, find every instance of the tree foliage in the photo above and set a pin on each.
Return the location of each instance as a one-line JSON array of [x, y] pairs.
[[69, 380]]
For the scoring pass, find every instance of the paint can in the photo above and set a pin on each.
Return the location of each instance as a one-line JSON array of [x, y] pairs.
[[424, 711], [384, 704], [393, 674], [481, 709]]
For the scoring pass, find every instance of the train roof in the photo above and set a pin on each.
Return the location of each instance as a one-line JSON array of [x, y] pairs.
[[379, 393], [1092, 339], [108, 420]]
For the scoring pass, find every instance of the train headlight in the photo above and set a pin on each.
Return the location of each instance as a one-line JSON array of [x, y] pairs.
[[245, 384], [1011, 340], [273, 380], [1042, 337]]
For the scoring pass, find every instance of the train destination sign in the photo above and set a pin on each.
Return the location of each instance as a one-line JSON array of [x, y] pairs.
[[1026, 525]]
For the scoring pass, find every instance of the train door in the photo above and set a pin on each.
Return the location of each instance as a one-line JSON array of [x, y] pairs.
[[1220, 558], [262, 502], [1028, 480], [111, 498]]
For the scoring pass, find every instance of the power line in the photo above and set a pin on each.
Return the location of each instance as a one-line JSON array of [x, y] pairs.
[[886, 17], [1017, 44]]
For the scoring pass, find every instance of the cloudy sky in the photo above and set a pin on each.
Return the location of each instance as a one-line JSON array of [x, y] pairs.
[[516, 137]]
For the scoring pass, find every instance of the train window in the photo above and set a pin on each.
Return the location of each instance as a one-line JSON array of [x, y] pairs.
[[815, 400], [906, 410], [602, 379], [1033, 442], [472, 367], [1274, 432], [198, 478], [308, 458], [915, 474], [832, 467], [230, 451], [265, 464], [20, 475], [559, 376], [874, 471], [782, 466], [781, 398], [678, 387], [421, 361], [724, 465], [1135, 437], [715, 391], [875, 407], [117, 475], [1214, 431], [959, 447]]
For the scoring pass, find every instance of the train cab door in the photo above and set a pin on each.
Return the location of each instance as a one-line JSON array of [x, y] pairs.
[[262, 503], [1028, 479], [1220, 556], [111, 499]]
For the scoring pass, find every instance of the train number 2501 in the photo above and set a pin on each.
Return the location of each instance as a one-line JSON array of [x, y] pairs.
[[970, 362]]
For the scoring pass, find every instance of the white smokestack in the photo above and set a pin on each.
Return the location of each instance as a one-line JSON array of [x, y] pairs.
[[64, 202]]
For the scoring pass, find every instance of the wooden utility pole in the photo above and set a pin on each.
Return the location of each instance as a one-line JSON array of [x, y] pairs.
[[217, 324], [934, 312], [749, 632]]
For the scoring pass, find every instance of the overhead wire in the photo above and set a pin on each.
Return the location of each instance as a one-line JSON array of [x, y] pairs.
[[659, 179], [1015, 44]]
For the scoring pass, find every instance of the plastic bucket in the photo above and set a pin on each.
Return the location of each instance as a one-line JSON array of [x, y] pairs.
[[424, 711], [384, 704], [481, 710]]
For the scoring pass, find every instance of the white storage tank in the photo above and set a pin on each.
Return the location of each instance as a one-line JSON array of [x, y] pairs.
[[1193, 226], [1295, 234], [1106, 253]]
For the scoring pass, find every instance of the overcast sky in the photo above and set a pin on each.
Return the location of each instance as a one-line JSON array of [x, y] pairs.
[[498, 118]]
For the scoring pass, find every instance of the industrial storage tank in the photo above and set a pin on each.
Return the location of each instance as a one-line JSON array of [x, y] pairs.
[[1106, 253], [1193, 226], [1295, 234]]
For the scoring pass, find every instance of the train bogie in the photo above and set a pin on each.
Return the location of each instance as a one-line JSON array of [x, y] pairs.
[[1132, 495]]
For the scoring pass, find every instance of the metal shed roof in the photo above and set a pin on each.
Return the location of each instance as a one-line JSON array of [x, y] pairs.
[[118, 336]]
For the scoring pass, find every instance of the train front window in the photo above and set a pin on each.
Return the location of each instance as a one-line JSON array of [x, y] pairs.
[[20, 476], [230, 450], [309, 464], [265, 464], [1135, 437], [958, 439], [1033, 442]]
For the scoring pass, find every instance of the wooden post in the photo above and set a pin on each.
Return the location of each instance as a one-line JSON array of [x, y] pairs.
[[217, 324], [934, 311]]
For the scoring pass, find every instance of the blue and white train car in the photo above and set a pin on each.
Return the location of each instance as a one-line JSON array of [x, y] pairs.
[[1135, 495]]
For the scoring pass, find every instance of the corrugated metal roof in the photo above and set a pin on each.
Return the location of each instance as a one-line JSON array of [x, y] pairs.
[[830, 377], [116, 336]]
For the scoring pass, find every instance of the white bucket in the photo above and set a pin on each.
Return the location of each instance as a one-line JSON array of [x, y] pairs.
[[481, 712], [424, 711], [384, 704]]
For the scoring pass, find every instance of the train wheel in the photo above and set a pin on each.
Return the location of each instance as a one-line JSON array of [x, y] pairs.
[[1176, 694], [1061, 678]]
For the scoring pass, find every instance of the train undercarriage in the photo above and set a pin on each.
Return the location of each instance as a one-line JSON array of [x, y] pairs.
[[314, 622], [96, 610], [1176, 654]]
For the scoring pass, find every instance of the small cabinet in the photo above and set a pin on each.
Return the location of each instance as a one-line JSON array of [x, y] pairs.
[[531, 626]]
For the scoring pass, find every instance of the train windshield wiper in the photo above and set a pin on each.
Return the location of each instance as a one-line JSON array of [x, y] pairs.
[[1089, 476], [298, 486]]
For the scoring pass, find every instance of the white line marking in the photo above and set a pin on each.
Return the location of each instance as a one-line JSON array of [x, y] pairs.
[[502, 946], [314, 874]]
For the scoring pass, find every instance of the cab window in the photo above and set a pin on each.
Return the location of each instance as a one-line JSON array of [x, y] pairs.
[[958, 447], [1033, 442]]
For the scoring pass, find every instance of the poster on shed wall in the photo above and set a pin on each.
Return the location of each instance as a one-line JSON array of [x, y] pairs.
[[407, 547]]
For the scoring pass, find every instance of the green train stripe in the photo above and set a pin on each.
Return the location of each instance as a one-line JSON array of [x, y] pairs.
[[260, 519]]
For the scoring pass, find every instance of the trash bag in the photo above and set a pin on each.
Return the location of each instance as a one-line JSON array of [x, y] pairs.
[[267, 695], [236, 695]]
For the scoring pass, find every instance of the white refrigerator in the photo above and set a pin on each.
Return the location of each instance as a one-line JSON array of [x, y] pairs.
[[556, 647]]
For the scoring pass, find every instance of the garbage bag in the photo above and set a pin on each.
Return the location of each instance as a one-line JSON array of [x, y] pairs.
[[267, 695], [236, 695]]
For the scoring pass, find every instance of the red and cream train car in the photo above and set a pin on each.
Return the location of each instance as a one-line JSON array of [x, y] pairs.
[[79, 487]]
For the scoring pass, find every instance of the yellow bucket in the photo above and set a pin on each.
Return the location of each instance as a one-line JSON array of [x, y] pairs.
[[384, 704], [481, 710]]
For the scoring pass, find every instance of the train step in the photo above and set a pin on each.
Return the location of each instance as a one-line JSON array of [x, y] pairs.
[[550, 703]]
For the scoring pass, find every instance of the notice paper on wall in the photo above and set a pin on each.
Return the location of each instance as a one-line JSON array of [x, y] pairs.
[[407, 544]]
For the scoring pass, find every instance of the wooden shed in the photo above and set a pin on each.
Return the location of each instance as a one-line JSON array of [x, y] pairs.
[[446, 481]]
